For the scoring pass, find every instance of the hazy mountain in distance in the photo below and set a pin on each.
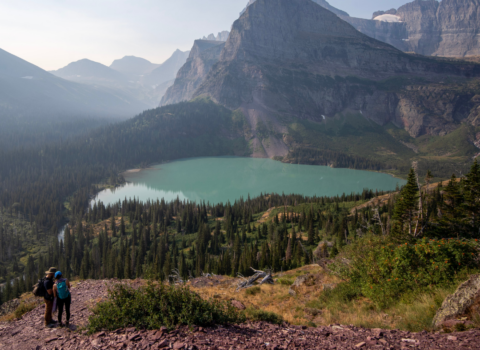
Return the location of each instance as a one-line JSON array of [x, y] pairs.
[[133, 67], [33, 93], [222, 36], [86, 71], [167, 71]]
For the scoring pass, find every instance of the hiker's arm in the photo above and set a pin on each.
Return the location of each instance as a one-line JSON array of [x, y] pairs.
[[68, 285], [55, 291]]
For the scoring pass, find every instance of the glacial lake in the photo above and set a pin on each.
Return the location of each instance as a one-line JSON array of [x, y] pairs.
[[222, 179]]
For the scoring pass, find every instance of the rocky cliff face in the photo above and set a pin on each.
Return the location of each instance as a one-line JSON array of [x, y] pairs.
[[203, 56], [448, 28], [395, 34], [303, 61]]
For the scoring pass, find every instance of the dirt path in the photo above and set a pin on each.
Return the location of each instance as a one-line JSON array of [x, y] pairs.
[[28, 333]]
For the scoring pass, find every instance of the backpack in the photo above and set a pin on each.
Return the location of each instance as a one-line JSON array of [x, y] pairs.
[[39, 289], [62, 290]]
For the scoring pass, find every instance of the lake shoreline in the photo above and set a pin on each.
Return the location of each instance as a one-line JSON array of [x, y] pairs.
[[227, 179]]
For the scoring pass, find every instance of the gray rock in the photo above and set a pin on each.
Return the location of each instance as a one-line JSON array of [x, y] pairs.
[[466, 295], [429, 27], [204, 54], [312, 57]]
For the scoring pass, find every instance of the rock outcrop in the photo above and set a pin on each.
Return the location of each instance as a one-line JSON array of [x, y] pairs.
[[301, 60], [203, 56], [459, 303], [447, 28], [393, 33], [28, 333], [222, 36]]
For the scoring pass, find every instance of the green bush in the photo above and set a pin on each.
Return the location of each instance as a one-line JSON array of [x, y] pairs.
[[253, 290], [382, 271], [285, 281], [260, 315], [157, 305], [23, 308], [342, 293]]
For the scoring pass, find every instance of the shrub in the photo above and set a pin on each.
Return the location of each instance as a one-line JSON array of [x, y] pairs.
[[285, 281], [253, 290], [157, 305], [382, 271], [260, 315], [23, 308]]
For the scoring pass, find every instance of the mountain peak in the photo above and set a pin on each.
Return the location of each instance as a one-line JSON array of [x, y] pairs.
[[133, 66], [296, 30]]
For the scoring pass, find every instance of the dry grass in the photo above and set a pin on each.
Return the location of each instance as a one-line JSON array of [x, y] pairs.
[[274, 298], [28, 302], [413, 313]]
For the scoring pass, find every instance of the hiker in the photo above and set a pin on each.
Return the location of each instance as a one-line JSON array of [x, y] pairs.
[[61, 290], [49, 297]]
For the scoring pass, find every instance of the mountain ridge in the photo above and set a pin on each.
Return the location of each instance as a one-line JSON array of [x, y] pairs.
[[51, 96], [302, 62]]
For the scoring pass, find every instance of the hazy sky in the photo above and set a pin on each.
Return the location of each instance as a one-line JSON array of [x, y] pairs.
[[53, 33]]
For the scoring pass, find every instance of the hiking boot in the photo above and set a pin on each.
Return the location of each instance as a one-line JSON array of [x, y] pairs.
[[51, 325], [67, 324], [61, 325]]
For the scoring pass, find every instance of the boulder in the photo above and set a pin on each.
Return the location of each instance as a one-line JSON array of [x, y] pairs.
[[237, 304], [465, 297], [305, 280]]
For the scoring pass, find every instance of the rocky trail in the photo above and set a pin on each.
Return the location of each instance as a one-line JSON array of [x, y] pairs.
[[29, 333]]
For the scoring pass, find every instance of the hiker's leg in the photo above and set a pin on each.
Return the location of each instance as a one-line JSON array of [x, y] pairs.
[[68, 301], [60, 304], [48, 311]]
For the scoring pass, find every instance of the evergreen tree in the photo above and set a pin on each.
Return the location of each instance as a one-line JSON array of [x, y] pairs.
[[471, 204], [405, 212]]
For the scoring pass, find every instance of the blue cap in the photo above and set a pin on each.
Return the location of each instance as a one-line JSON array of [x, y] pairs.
[[58, 274]]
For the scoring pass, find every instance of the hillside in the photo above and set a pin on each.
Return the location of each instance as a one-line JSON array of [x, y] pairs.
[[321, 85], [86, 71], [25, 334], [50, 97]]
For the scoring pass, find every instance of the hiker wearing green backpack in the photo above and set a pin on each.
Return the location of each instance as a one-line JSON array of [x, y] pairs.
[[61, 290]]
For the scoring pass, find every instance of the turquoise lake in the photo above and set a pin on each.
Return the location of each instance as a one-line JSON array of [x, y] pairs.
[[225, 179]]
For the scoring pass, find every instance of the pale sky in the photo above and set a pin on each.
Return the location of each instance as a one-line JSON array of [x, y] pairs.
[[53, 33]]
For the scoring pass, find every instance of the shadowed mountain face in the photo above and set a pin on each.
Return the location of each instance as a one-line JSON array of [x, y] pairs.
[[322, 3], [203, 56], [306, 50], [29, 91], [289, 59]]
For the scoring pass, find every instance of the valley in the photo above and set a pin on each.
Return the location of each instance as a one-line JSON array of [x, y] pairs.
[[305, 179]]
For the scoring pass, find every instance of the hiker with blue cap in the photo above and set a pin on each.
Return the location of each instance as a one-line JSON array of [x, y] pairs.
[[61, 290]]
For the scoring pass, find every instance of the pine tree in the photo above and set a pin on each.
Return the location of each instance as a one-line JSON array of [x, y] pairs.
[[471, 204], [310, 234], [405, 212], [288, 254]]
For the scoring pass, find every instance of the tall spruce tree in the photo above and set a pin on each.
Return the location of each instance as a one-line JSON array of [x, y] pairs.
[[406, 210]]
